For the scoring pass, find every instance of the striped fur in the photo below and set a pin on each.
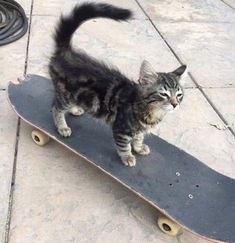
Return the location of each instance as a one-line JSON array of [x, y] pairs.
[[84, 84]]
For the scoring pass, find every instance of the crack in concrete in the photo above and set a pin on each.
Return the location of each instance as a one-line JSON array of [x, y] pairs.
[[227, 4], [10, 202]]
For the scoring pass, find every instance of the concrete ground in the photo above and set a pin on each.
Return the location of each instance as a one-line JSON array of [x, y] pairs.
[[50, 195]]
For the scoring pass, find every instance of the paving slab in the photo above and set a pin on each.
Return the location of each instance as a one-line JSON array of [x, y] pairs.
[[189, 128], [55, 8], [59, 197], [230, 3], [115, 47], [8, 125], [26, 5], [188, 10], [12, 61], [207, 48], [224, 101]]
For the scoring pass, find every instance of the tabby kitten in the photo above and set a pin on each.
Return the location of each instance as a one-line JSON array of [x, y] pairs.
[[83, 84]]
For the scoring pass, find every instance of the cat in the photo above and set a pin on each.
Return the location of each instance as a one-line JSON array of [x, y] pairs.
[[84, 84]]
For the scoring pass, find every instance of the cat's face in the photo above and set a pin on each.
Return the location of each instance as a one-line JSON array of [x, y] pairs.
[[163, 90]]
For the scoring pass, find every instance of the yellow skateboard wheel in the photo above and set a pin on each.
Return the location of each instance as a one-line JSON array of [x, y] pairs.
[[40, 138], [168, 226]]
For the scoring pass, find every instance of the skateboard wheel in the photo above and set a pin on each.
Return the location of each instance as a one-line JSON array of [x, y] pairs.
[[168, 226], [40, 138]]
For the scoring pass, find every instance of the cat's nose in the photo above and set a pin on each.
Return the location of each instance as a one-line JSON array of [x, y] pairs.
[[174, 104]]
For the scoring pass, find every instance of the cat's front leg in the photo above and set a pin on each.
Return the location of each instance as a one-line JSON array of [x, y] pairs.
[[123, 145], [60, 122], [76, 110], [138, 146]]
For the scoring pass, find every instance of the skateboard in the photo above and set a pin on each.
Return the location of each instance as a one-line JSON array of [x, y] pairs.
[[188, 193]]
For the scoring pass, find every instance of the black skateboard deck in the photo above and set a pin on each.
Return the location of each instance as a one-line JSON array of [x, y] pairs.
[[179, 185]]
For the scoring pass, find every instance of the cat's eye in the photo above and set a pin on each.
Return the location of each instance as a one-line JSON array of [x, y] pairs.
[[179, 95], [164, 95]]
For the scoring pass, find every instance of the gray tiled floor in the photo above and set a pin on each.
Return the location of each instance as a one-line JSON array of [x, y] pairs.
[[207, 48], [7, 151], [58, 197], [12, 61], [230, 3], [188, 10], [55, 7], [224, 100]]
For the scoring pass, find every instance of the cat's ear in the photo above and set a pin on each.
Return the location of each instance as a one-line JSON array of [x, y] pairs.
[[147, 74], [181, 73], [180, 70]]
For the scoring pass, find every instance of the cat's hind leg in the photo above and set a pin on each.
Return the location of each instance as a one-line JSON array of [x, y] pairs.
[[123, 145]]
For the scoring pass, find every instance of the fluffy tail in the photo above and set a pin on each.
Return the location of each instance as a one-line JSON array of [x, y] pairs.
[[81, 13]]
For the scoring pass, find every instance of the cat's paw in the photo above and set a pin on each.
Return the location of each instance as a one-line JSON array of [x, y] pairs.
[[76, 111], [129, 160], [144, 150], [65, 131]]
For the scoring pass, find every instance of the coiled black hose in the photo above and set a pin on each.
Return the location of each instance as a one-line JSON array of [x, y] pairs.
[[13, 21]]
